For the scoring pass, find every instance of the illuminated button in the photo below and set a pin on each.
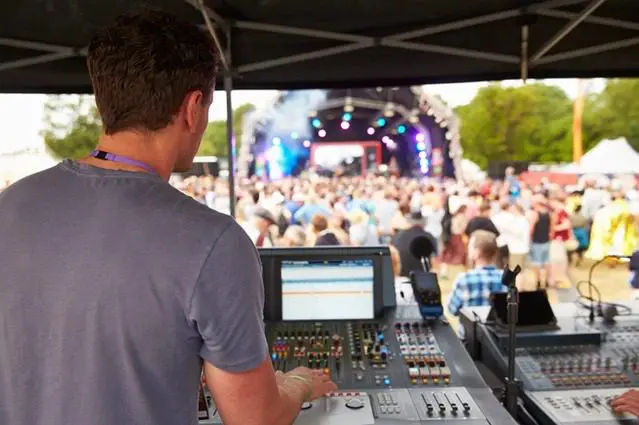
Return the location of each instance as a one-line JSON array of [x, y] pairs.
[[387, 381]]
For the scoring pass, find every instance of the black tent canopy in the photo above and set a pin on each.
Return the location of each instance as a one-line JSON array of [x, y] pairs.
[[292, 44], [288, 44]]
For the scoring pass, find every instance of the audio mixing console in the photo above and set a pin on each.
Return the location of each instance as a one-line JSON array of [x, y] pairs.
[[389, 372], [362, 354], [572, 384]]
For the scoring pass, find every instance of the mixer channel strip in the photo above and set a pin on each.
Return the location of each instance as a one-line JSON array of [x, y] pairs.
[[421, 354], [579, 367]]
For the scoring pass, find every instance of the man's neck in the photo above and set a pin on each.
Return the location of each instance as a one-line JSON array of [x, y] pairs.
[[137, 146], [483, 263]]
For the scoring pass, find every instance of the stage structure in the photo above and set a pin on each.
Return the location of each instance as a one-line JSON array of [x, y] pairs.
[[353, 132]]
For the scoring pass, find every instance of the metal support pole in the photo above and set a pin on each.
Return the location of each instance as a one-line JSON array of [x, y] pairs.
[[524, 53], [230, 140], [566, 30]]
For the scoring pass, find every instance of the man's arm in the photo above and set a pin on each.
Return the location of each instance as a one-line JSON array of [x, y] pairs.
[[227, 311], [458, 296]]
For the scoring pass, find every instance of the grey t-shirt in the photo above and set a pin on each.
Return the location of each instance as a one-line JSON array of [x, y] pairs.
[[113, 286]]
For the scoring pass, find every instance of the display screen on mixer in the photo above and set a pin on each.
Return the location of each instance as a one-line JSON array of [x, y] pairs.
[[327, 290]]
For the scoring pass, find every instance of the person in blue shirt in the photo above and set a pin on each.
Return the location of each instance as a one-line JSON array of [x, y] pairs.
[[474, 288]]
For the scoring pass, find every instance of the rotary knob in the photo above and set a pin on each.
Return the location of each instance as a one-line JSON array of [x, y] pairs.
[[354, 403], [306, 405]]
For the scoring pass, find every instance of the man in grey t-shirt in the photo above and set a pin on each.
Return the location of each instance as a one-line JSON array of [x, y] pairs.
[[115, 288]]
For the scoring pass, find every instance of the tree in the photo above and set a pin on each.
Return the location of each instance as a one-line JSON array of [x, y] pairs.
[[527, 123], [72, 126], [613, 113], [214, 140]]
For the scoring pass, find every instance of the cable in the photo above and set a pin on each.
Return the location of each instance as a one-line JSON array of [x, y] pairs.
[[623, 309], [591, 317]]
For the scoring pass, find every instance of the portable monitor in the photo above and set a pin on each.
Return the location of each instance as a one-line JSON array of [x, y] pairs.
[[535, 311]]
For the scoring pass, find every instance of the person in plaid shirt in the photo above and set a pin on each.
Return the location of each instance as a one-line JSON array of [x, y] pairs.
[[473, 288]]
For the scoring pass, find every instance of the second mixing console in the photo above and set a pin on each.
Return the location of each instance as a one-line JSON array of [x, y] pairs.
[[573, 382]]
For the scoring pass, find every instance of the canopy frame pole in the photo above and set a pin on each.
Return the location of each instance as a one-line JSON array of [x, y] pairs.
[[226, 60], [357, 42], [591, 50], [230, 135], [592, 19], [567, 29], [525, 30]]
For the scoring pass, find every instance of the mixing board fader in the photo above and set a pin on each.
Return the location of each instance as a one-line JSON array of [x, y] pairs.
[[581, 406]]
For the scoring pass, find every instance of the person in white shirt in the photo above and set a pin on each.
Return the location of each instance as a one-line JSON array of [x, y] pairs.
[[514, 232]]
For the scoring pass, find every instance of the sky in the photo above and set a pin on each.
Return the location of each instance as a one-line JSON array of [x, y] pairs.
[[21, 115]]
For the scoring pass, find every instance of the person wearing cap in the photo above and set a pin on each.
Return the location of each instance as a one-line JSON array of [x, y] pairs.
[[259, 227]]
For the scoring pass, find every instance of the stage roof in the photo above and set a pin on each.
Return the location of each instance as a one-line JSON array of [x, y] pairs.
[[289, 44]]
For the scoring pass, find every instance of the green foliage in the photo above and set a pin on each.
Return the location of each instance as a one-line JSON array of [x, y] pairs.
[[214, 140], [532, 122], [72, 128]]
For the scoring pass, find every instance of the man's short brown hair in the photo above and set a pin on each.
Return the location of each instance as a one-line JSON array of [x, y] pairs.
[[144, 64], [486, 243]]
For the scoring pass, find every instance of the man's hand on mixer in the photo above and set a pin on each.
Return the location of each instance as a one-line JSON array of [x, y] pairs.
[[627, 402], [317, 384]]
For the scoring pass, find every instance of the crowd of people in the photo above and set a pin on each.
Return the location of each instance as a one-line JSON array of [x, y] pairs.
[[543, 227]]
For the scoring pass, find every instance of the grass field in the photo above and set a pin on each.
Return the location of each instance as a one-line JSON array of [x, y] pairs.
[[611, 280]]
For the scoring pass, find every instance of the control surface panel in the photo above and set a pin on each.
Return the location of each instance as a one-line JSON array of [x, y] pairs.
[[581, 406], [362, 354], [578, 366], [402, 406]]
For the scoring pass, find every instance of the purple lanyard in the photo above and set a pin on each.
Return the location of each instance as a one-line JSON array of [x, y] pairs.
[[121, 159]]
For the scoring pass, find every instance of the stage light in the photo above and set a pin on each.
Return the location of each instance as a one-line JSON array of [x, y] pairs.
[[422, 154], [385, 139], [401, 129], [423, 165], [347, 117], [317, 123], [321, 133], [389, 110], [345, 125], [430, 111], [420, 137], [370, 131], [348, 104], [421, 146], [449, 135], [312, 114], [276, 141], [381, 122], [413, 119], [306, 143], [443, 124]]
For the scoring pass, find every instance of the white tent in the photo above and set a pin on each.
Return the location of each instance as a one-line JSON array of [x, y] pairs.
[[610, 157], [471, 172]]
